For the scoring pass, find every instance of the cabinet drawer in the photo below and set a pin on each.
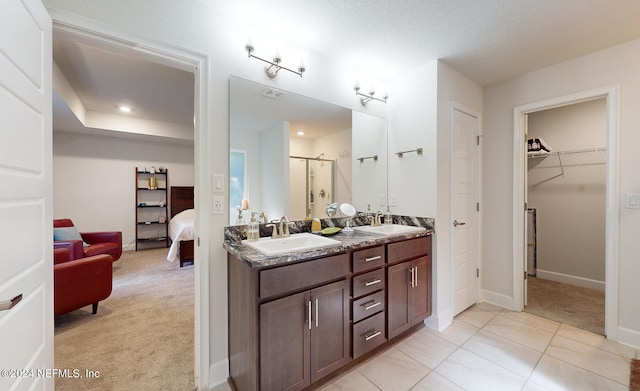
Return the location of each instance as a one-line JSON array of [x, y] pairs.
[[368, 259], [368, 335], [409, 249], [368, 305], [368, 282], [301, 275]]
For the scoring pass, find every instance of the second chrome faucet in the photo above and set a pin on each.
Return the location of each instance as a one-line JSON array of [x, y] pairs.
[[281, 230]]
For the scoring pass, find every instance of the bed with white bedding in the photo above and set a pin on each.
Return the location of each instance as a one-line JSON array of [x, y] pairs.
[[181, 225], [181, 228]]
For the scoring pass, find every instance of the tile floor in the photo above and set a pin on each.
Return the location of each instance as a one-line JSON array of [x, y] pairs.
[[488, 348]]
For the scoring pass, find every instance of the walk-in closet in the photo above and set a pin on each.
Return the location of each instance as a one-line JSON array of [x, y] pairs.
[[566, 195]]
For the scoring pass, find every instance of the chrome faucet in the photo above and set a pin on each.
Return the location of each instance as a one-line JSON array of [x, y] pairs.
[[264, 217], [274, 232], [378, 217], [284, 227]]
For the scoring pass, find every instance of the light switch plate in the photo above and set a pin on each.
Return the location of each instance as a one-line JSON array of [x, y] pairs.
[[383, 200], [218, 183], [632, 200]]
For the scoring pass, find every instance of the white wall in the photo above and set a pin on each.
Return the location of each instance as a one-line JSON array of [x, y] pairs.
[[617, 65], [570, 209], [369, 178], [274, 174], [413, 124], [94, 178]]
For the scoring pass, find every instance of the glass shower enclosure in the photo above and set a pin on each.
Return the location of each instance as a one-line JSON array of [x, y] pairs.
[[312, 183]]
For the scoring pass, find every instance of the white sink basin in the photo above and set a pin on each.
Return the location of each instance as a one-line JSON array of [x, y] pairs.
[[294, 243], [390, 229]]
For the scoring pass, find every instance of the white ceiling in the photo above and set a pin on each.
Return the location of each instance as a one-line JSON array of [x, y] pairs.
[[488, 41]]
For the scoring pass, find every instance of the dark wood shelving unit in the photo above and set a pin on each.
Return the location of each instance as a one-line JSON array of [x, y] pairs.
[[152, 217]]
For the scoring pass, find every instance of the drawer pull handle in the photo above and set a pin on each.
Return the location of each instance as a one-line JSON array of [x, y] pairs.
[[371, 304], [373, 258], [372, 336], [369, 283]]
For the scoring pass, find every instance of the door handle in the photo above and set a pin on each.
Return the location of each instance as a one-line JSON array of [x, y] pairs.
[[9, 304], [457, 223]]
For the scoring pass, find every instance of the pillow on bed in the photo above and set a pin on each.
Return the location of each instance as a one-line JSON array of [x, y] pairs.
[[67, 233]]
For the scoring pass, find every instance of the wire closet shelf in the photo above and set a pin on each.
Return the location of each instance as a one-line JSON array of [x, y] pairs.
[[576, 157]]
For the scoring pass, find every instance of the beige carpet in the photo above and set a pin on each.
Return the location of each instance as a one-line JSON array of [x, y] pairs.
[[142, 336], [575, 306]]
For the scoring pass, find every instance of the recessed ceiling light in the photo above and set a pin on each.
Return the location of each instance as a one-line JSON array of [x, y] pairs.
[[300, 133], [125, 109]]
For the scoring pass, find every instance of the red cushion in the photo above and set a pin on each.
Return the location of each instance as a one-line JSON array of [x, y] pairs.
[[61, 255], [101, 248], [61, 223]]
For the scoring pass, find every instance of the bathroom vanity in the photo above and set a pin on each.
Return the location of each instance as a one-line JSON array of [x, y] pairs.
[[297, 318]]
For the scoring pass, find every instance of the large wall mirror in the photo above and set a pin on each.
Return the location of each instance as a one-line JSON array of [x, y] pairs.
[[293, 155]]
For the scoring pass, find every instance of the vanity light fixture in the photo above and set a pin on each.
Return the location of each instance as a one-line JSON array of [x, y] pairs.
[[274, 66], [364, 98]]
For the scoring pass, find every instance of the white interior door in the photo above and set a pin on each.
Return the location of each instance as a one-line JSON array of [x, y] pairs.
[[26, 237], [527, 227], [465, 130]]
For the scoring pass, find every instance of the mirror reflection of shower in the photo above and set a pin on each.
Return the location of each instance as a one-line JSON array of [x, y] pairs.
[[312, 182]]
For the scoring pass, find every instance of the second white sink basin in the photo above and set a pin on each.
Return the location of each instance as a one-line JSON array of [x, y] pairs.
[[294, 243], [390, 229]]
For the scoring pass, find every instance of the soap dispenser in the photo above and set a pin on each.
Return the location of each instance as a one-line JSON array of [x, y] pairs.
[[388, 219], [253, 229]]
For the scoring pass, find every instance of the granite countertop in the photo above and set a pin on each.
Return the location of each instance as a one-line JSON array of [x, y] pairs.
[[348, 241]]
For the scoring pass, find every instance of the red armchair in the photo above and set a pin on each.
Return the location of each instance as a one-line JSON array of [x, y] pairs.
[[80, 282], [99, 242]]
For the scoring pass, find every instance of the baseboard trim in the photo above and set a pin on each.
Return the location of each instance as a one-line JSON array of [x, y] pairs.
[[498, 299], [440, 321], [129, 247], [629, 337], [571, 280], [218, 373]]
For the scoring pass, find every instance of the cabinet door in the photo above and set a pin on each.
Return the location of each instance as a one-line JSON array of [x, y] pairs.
[[398, 279], [330, 329], [420, 291], [284, 343]]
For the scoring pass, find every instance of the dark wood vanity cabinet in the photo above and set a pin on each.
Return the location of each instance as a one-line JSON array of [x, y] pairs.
[[304, 337], [288, 325], [293, 324], [408, 284]]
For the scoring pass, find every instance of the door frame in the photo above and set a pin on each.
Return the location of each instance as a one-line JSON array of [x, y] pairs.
[[612, 96], [197, 63], [455, 106]]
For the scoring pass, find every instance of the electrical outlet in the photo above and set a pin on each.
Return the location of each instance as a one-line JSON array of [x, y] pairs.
[[218, 205], [392, 200], [383, 200]]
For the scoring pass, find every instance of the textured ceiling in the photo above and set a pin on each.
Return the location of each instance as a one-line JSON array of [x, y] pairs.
[[488, 41]]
